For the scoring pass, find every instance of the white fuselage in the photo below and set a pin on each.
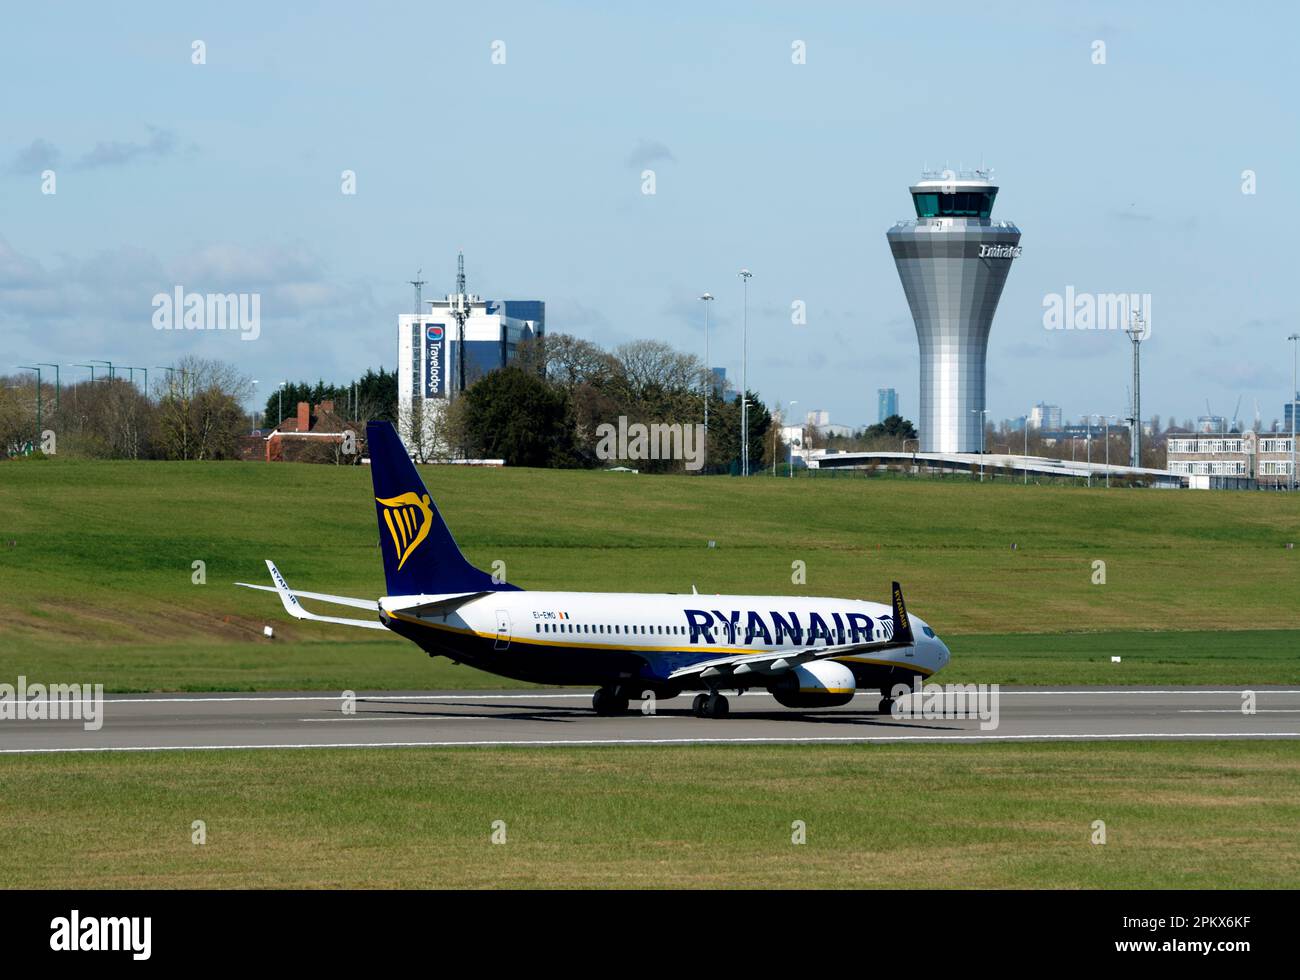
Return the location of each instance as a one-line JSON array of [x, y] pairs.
[[672, 631]]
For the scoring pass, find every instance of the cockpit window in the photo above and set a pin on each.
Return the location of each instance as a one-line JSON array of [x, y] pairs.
[[928, 632]]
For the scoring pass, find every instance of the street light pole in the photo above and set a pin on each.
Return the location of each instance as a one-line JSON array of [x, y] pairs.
[[708, 378], [58, 388], [981, 412], [1088, 420], [133, 369], [745, 276]]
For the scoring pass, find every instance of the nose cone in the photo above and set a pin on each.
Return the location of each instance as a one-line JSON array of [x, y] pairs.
[[943, 655], [933, 649]]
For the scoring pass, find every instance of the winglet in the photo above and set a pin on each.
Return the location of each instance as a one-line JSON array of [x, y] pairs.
[[295, 609], [902, 625], [286, 596]]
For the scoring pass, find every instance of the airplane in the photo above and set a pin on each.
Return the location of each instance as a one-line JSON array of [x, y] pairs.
[[806, 652]]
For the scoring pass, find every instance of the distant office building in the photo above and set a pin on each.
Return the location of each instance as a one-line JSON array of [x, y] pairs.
[[886, 403], [1211, 423], [720, 385], [1230, 460], [431, 370], [818, 418], [1289, 412], [1044, 416]]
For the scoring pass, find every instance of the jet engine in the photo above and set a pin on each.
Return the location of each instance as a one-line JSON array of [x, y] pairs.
[[820, 684]]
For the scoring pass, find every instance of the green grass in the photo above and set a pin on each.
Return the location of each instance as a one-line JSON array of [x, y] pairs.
[[1198, 815], [96, 565]]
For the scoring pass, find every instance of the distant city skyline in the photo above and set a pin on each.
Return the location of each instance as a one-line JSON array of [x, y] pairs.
[[1146, 175]]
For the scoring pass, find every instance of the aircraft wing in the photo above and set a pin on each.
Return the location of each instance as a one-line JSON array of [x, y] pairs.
[[779, 661], [291, 605], [338, 600]]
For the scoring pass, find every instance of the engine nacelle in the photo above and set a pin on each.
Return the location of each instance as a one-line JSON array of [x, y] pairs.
[[820, 684]]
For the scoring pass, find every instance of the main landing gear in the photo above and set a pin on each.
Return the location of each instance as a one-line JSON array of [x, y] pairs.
[[608, 702], [711, 705], [886, 706]]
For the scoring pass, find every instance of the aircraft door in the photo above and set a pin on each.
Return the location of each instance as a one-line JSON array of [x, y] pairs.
[[503, 630]]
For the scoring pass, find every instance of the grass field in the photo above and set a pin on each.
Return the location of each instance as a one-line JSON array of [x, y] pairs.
[[96, 566], [1196, 815]]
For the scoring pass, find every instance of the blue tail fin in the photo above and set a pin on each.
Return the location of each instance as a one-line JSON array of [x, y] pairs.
[[420, 555]]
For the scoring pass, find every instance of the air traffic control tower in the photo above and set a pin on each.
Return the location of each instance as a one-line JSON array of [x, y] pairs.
[[953, 261]]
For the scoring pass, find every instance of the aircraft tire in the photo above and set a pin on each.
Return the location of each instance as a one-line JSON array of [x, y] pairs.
[[716, 706], [606, 702]]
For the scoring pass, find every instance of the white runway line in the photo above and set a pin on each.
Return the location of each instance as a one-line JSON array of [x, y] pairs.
[[419, 718], [523, 743], [1238, 711]]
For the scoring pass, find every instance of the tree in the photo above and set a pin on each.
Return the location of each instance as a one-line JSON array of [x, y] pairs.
[[514, 415], [895, 428], [571, 362], [725, 434], [651, 368], [199, 414], [17, 417], [125, 422]]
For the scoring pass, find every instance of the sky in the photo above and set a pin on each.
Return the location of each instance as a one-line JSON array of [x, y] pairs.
[[520, 132]]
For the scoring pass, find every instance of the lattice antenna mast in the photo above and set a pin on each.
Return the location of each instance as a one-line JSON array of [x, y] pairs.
[[459, 305], [418, 283]]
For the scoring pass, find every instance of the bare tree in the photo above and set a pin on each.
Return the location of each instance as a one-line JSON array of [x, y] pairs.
[[199, 413], [124, 420], [572, 361], [652, 366], [17, 416]]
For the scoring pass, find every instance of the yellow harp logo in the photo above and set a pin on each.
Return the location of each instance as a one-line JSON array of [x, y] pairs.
[[408, 518]]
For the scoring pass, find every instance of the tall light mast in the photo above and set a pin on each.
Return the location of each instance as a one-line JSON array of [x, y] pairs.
[[1136, 331], [707, 298], [745, 276]]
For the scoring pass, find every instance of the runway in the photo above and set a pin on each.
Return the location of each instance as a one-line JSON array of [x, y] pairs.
[[164, 722]]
